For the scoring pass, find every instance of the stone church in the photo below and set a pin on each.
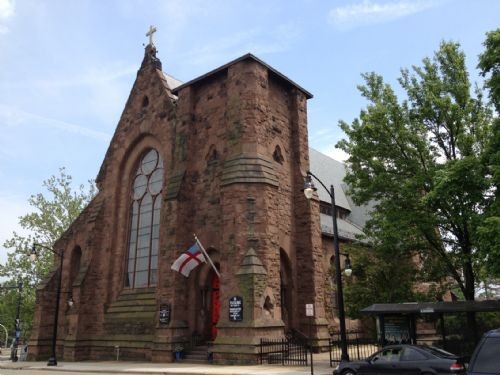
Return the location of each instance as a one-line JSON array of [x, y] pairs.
[[222, 156]]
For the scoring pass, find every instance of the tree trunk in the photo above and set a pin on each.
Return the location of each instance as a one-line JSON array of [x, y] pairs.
[[469, 296]]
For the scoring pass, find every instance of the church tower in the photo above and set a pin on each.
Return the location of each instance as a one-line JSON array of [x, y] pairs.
[[222, 156]]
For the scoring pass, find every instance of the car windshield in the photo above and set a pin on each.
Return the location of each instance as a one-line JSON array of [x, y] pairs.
[[438, 352]]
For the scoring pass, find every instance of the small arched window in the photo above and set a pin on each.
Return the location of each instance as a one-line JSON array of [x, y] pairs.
[[144, 233], [277, 155]]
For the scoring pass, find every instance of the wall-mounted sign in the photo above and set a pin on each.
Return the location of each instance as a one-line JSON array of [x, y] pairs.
[[427, 310], [309, 309], [165, 313], [236, 309]]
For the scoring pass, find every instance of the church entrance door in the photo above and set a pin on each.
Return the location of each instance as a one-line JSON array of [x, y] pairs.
[[215, 309]]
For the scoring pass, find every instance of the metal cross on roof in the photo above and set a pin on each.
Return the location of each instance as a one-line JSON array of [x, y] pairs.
[[150, 33]]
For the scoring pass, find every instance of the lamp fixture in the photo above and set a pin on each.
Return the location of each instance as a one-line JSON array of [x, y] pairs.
[[309, 187]]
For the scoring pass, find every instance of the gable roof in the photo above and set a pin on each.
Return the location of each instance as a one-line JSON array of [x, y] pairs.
[[171, 81], [330, 172], [333, 172], [248, 56]]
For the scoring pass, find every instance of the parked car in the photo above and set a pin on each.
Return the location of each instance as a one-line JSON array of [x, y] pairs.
[[405, 360], [486, 357]]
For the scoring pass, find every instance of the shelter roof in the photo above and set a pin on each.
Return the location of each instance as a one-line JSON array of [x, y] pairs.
[[432, 307]]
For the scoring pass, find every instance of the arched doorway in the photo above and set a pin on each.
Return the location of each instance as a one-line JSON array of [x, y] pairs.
[[206, 309], [215, 304]]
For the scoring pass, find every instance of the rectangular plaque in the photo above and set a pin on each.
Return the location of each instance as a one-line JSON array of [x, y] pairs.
[[236, 309], [164, 313], [309, 309]]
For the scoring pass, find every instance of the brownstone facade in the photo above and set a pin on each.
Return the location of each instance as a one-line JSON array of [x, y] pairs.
[[234, 149]]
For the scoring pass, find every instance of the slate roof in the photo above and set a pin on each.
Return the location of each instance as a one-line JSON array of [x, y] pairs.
[[346, 229], [332, 172], [359, 214], [172, 82]]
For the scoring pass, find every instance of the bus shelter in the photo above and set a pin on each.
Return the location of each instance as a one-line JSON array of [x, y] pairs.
[[397, 322]]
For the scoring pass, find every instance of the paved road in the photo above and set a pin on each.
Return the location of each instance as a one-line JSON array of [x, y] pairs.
[[59, 372], [7, 367], [48, 372]]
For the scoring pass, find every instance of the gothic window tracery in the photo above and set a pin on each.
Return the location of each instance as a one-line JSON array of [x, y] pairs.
[[144, 232]]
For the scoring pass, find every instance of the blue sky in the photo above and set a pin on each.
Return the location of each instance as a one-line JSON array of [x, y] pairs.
[[67, 67]]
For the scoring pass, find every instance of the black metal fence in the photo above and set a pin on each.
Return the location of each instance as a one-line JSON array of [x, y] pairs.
[[284, 351], [358, 348]]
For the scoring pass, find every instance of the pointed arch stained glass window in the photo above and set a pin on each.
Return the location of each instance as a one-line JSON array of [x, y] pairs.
[[144, 233]]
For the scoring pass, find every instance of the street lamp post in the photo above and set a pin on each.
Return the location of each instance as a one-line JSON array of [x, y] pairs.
[[17, 323], [53, 360], [309, 190]]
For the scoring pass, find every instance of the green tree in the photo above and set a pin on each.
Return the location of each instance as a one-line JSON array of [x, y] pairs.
[[421, 160], [489, 226], [54, 211], [8, 308], [381, 274], [489, 63]]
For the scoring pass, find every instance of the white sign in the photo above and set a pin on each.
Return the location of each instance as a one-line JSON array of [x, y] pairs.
[[426, 310], [309, 309]]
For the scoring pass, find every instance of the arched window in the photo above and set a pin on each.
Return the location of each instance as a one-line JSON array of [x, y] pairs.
[[144, 233], [76, 257]]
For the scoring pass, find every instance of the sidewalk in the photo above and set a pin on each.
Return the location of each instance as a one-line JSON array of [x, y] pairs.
[[321, 367]]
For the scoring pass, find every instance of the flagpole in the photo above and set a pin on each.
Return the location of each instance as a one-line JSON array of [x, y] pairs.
[[206, 254]]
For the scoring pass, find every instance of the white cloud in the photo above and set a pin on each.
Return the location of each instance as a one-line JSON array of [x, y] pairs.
[[93, 76], [370, 12], [6, 9], [256, 40], [101, 89], [15, 117], [178, 15], [11, 208], [6, 12]]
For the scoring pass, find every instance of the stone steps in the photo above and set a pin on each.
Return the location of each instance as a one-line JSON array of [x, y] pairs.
[[130, 308], [140, 302], [128, 302], [135, 295], [199, 354], [132, 313]]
